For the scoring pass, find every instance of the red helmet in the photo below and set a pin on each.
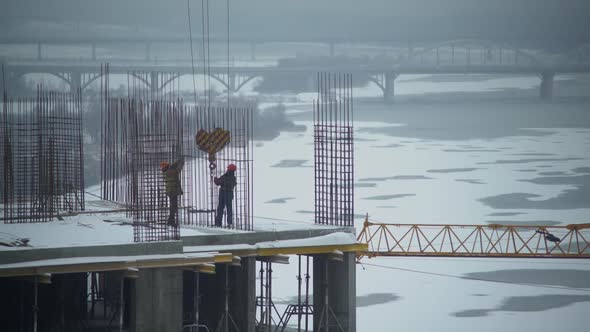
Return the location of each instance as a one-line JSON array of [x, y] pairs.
[[231, 167], [164, 164]]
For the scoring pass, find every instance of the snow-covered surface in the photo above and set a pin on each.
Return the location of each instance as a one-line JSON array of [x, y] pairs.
[[412, 178], [440, 181], [102, 228], [338, 238], [107, 259]]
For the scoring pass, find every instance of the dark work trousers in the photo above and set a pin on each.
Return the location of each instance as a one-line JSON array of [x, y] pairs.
[[173, 216], [225, 201]]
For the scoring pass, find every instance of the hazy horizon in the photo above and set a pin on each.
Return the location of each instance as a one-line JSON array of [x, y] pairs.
[[548, 21]]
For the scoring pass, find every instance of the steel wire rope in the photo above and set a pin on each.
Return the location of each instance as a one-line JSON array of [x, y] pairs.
[[190, 33], [477, 279], [228, 64], [203, 53], [490, 259], [208, 58]]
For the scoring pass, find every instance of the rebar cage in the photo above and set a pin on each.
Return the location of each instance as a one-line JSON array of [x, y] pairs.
[[153, 126], [42, 156], [334, 150]]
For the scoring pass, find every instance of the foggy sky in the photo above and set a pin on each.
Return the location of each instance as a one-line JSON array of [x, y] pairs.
[[339, 19]]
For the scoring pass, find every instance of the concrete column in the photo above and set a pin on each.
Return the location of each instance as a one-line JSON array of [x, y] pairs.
[[93, 51], [75, 81], [243, 304], [154, 84], [253, 51], [148, 51], [157, 301], [232, 79], [546, 90], [39, 56], [332, 49], [389, 87], [437, 56], [341, 288], [5, 77]]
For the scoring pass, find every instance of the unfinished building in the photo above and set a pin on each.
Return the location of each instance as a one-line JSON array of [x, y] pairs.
[[115, 263]]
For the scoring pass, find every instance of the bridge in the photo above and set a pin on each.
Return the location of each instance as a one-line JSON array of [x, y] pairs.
[[450, 57]]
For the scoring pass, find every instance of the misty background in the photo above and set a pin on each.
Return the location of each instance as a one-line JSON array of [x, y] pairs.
[[473, 149], [551, 23]]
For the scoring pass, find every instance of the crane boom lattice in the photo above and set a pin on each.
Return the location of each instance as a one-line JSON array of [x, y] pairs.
[[492, 240]]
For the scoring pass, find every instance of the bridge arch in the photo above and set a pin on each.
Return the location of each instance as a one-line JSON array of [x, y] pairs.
[[241, 80], [62, 76], [378, 80], [142, 79]]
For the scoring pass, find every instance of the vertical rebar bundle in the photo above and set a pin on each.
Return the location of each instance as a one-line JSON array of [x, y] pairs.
[[41, 153], [334, 151], [151, 125]]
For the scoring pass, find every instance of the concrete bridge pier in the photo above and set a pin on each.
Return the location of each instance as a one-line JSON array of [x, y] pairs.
[[231, 82], [154, 86], [389, 87], [253, 51], [93, 51], [39, 55], [3, 77], [75, 81], [334, 292], [148, 51], [546, 90]]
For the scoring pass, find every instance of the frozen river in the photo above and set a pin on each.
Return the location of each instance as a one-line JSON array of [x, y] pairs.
[[496, 154]]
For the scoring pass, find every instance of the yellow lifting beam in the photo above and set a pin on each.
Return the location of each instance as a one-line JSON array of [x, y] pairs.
[[526, 241]]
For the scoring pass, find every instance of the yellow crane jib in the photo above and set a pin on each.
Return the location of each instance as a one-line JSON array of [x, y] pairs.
[[212, 143]]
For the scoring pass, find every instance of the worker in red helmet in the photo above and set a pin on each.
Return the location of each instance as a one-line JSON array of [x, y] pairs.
[[227, 182], [171, 173]]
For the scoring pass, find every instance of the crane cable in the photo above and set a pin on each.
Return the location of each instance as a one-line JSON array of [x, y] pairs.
[[476, 279], [190, 33], [203, 50], [228, 64]]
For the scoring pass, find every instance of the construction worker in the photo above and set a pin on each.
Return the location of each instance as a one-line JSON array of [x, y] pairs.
[[171, 173], [227, 182]]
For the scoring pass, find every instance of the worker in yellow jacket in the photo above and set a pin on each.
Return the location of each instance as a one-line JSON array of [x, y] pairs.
[[171, 173]]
